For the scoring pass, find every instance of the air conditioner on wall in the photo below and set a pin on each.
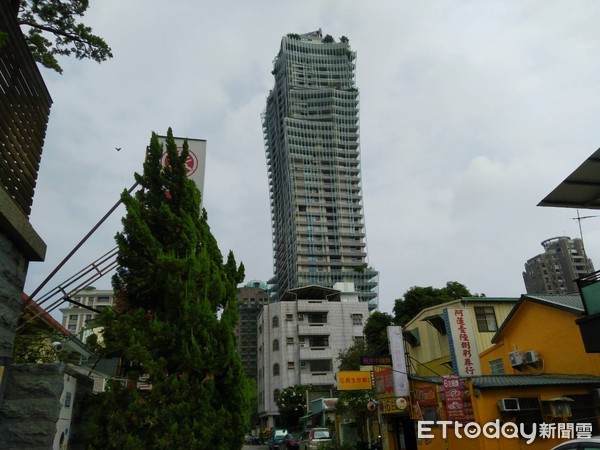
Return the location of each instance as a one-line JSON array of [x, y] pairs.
[[531, 357], [508, 404], [516, 358]]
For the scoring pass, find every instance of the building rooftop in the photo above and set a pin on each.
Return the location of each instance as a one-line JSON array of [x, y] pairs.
[[505, 381], [567, 302]]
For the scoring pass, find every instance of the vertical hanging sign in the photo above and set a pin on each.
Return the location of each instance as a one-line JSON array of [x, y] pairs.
[[463, 346], [398, 361], [196, 161]]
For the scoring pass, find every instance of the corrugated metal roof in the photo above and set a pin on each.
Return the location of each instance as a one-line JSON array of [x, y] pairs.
[[572, 301], [581, 189], [501, 381], [489, 299]]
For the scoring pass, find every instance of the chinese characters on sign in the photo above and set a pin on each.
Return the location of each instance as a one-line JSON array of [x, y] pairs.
[[463, 346], [355, 380], [456, 401]]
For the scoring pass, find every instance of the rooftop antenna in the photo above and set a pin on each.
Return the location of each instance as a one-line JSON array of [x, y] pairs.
[[579, 219]]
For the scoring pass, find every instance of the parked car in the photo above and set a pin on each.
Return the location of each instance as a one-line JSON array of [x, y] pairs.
[[252, 440], [580, 444], [311, 439], [290, 442], [277, 435]]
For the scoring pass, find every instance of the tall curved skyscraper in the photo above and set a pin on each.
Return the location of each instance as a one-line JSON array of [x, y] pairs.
[[311, 131]]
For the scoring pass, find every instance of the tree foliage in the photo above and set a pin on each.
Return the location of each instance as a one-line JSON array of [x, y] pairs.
[[375, 332], [51, 28], [175, 324], [350, 358], [418, 298], [292, 404]]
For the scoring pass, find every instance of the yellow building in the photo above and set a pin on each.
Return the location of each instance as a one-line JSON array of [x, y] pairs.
[[536, 372], [429, 350]]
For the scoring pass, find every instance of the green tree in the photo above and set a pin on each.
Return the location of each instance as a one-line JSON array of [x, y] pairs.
[[418, 298], [351, 357], [51, 28], [292, 404], [375, 332], [175, 323]]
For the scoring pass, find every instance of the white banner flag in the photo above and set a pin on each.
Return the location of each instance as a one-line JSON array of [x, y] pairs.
[[398, 361]]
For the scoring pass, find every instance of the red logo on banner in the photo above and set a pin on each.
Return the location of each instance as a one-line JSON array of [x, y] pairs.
[[191, 162]]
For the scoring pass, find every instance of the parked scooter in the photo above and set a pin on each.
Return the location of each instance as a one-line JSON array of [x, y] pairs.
[[376, 444]]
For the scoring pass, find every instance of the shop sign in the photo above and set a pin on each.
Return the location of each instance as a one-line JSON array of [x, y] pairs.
[[427, 396], [384, 382], [463, 346], [354, 380]]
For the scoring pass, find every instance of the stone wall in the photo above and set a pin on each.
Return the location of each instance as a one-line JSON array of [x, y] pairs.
[[32, 405]]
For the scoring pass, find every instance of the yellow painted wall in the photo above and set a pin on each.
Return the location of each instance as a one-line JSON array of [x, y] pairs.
[[485, 405], [552, 333]]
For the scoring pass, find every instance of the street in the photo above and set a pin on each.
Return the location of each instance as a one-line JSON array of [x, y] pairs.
[[255, 447]]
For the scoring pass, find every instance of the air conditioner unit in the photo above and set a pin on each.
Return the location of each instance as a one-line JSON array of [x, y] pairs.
[[516, 358], [508, 404], [531, 357]]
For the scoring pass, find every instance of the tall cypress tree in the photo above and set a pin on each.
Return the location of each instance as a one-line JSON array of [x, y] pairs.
[[174, 323]]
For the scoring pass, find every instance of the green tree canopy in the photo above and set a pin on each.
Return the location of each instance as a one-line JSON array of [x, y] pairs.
[[51, 28], [418, 298], [292, 404], [175, 323], [350, 358], [375, 332]]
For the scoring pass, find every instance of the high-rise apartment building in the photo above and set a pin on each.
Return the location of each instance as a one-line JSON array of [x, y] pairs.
[[311, 131], [555, 271], [251, 299]]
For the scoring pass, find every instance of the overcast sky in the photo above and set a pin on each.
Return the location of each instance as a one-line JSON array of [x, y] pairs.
[[471, 112]]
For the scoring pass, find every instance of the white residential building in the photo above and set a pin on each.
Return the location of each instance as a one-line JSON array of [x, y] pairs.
[[75, 317], [300, 338]]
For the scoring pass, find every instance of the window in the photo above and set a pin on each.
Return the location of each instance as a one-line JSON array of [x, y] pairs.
[[319, 365], [276, 393], [290, 341], [67, 400], [318, 341], [317, 318], [73, 317], [275, 345], [497, 366], [289, 317], [72, 327], [486, 318], [275, 369], [529, 413], [275, 321], [290, 364], [356, 319]]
